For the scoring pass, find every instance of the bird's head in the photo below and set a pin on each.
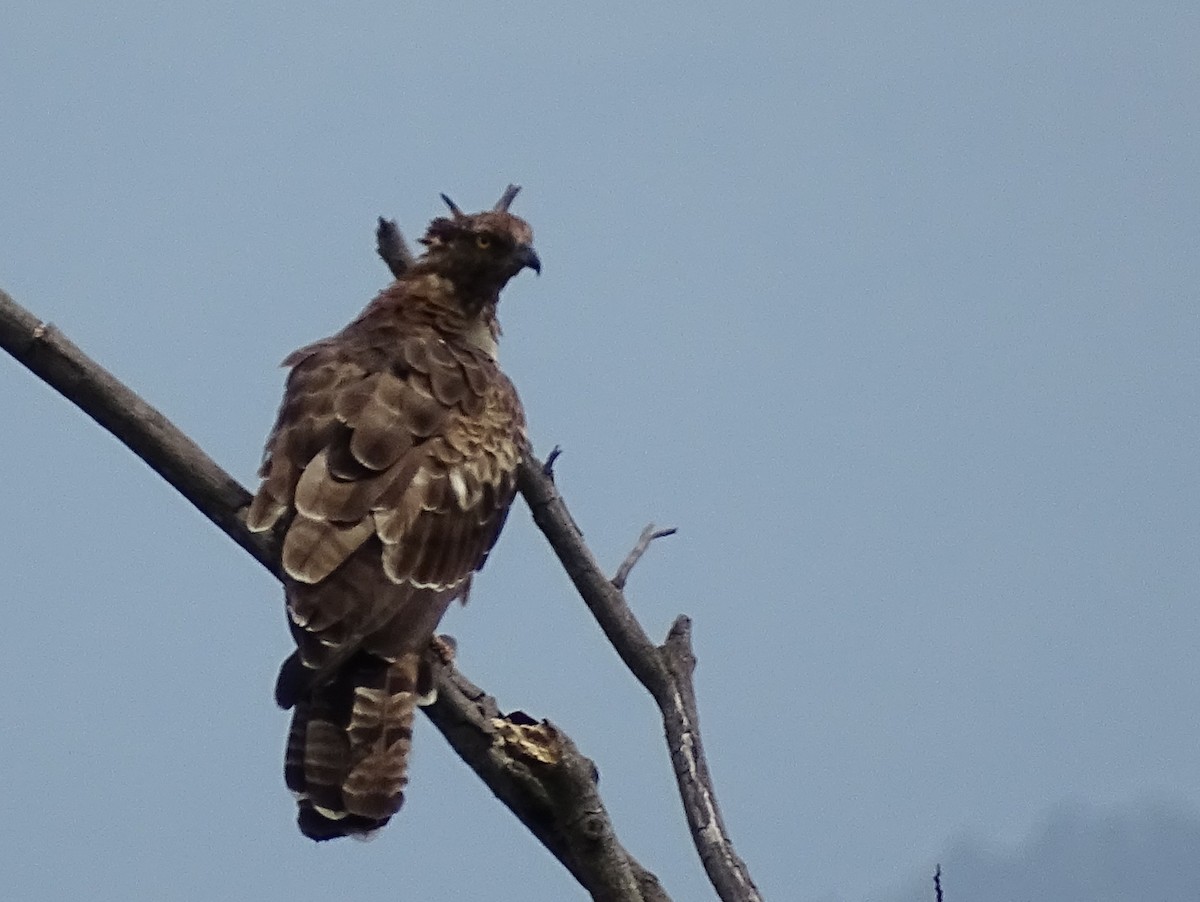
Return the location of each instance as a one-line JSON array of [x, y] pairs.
[[480, 252]]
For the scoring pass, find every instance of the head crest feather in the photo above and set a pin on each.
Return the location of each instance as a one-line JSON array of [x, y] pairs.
[[502, 205], [458, 214], [507, 198]]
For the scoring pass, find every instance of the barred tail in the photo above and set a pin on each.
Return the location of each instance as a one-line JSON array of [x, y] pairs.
[[347, 750]]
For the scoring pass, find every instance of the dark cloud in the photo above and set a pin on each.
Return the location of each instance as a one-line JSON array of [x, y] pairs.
[[1080, 853]]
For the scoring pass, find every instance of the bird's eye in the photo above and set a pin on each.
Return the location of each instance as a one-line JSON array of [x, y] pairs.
[[483, 241]]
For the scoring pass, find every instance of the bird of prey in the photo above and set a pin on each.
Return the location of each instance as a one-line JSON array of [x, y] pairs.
[[388, 474]]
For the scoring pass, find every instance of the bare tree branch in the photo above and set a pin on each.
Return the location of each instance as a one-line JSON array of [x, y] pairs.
[[556, 799], [145, 431], [666, 671]]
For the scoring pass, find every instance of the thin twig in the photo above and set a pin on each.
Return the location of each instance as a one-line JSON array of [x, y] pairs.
[[543, 802], [649, 534], [937, 883]]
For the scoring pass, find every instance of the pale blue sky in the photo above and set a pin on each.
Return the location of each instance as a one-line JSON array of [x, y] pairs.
[[890, 308]]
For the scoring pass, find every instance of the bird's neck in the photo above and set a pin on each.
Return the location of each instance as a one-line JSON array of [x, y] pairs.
[[482, 333], [470, 316]]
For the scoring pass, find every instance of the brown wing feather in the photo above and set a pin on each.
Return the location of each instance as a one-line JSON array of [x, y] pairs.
[[390, 469]]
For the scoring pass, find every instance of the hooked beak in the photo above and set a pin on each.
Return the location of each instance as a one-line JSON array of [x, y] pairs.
[[527, 256]]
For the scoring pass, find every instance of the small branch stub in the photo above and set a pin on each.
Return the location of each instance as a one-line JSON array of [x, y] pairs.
[[392, 248], [649, 534], [554, 455]]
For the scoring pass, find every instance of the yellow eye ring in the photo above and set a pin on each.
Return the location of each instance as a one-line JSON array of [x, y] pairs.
[[483, 241]]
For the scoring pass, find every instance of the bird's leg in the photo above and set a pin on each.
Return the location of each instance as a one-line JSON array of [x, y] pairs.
[[438, 656]]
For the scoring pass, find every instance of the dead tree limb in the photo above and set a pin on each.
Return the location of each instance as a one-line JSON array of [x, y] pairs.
[[665, 670], [554, 798]]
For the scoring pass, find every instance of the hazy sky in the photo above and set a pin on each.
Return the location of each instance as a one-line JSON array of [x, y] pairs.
[[890, 308]]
